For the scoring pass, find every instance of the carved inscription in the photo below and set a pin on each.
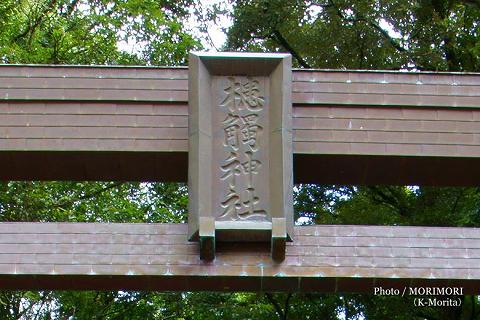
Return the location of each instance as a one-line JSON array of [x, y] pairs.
[[241, 113]]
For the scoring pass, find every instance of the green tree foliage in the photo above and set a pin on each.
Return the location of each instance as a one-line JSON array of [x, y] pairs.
[[365, 34], [93, 202], [92, 32], [388, 205]]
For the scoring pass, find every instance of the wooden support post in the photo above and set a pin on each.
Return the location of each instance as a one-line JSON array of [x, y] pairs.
[[207, 238], [279, 239]]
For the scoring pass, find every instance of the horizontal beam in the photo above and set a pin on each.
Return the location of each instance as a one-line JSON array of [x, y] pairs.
[[159, 257], [101, 123], [173, 166], [328, 87], [359, 130]]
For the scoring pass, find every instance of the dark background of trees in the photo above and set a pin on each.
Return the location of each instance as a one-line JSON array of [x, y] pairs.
[[367, 34]]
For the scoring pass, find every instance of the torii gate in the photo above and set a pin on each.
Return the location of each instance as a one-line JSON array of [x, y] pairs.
[[131, 123]]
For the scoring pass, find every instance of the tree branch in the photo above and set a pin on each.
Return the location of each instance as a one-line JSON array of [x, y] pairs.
[[275, 304], [372, 24], [388, 199], [120, 314], [457, 200], [287, 306], [71, 7], [44, 300], [385, 34], [279, 37], [88, 195], [32, 27], [204, 24], [473, 315], [392, 41]]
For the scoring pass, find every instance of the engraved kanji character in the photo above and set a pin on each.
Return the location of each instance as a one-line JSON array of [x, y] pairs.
[[251, 95], [251, 167], [250, 130], [231, 205], [231, 129], [250, 119], [231, 168], [233, 95], [249, 204], [243, 95], [231, 136]]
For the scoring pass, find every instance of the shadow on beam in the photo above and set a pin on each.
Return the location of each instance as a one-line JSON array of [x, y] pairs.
[[94, 166], [225, 283], [172, 167], [386, 170]]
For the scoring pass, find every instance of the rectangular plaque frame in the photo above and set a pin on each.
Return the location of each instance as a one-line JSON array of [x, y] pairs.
[[268, 76]]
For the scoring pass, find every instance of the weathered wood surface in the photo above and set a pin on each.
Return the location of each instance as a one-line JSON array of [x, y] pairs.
[[332, 87], [158, 256], [371, 123], [111, 123]]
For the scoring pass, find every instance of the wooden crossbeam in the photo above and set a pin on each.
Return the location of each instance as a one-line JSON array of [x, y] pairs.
[[353, 127], [130, 123], [159, 257]]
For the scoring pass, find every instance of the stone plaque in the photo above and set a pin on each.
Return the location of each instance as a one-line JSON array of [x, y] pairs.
[[240, 149]]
